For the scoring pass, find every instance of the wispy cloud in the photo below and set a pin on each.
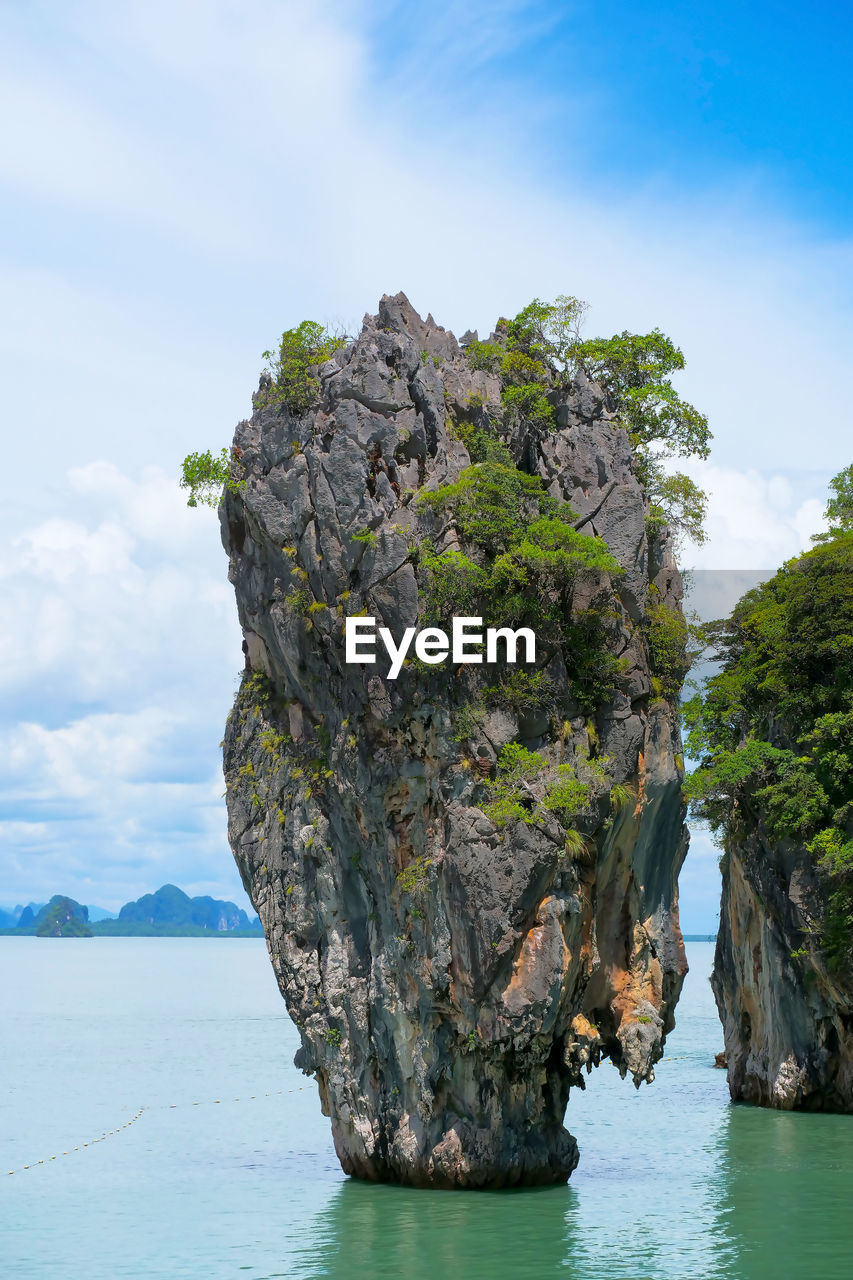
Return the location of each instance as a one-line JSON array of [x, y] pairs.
[[756, 519]]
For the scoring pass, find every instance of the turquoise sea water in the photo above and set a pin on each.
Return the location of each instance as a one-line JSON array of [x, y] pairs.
[[673, 1182]]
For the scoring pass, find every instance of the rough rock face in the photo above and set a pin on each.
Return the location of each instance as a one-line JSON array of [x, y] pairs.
[[787, 1020], [450, 980]]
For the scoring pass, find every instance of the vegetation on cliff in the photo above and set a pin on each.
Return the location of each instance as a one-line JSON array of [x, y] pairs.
[[541, 351], [773, 730], [537, 355], [523, 553], [530, 557]]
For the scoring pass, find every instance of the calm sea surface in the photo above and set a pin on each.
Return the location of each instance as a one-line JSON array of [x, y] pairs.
[[210, 1181]]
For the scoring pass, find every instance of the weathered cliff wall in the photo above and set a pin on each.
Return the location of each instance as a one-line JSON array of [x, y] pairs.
[[787, 1018], [452, 974]]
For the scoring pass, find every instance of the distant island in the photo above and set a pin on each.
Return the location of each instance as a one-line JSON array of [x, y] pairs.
[[62, 918], [168, 913]]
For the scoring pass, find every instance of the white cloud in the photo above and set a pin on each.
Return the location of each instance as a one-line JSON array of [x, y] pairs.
[[809, 519], [124, 606], [756, 520], [60, 548]]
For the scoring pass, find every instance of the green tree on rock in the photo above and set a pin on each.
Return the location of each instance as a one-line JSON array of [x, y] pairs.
[[839, 507], [541, 351]]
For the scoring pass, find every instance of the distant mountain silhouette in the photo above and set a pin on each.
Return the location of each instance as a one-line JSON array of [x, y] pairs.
[[29, 915], [167, 913], [171, 906]]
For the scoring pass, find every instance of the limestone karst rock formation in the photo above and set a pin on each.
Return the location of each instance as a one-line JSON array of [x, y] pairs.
[[787, 1017], [452, 974]]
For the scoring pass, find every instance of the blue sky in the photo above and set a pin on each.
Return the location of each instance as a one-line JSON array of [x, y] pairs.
[[182, 180], [686, 94]]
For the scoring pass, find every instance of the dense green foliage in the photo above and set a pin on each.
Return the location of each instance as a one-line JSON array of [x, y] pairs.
[[667, 633], [290, 365], [525, 783], [635, 370], [541, 350], [490, 502], [773, 731], [519, 690], [530, 558], [534, 353]]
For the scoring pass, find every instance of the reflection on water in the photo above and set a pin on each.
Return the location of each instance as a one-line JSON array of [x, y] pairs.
[[649, 1209], [763, 1196], [224, 1175], [788, 1193], [422, 1235]]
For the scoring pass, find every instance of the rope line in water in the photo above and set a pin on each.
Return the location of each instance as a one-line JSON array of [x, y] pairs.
[[109, 1134], [216, 1102], [171, 1107]]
